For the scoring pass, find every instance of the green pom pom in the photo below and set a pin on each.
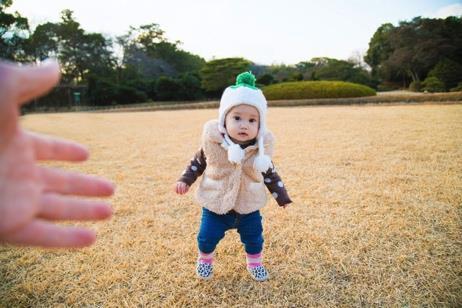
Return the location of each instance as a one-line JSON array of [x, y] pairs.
[[246, 79]]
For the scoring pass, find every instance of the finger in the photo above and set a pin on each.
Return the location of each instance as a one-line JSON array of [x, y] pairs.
[[180, 188], [56, 207], [48, 148], [36, 80], [67, 183], [45, 234]]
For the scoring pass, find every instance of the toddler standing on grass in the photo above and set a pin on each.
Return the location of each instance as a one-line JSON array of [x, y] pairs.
[[235, 162]]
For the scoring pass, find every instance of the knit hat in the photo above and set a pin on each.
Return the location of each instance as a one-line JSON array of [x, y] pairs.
[[244, 92]]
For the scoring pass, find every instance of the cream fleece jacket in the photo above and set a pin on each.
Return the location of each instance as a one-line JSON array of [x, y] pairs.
[[226, 186]]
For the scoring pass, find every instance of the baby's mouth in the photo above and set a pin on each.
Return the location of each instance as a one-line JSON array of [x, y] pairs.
[[243, 134]]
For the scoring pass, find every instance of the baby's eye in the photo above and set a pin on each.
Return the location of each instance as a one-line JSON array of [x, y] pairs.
[[237, 118], [252, 120]]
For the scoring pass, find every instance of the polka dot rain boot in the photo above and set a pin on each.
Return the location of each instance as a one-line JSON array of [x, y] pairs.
[[255, 267], [204, 267], [258, 273]]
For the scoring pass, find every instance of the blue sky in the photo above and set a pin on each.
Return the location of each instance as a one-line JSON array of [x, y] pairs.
[[263, 31]]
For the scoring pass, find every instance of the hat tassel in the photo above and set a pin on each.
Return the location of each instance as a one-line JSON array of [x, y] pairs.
[[262, 162]]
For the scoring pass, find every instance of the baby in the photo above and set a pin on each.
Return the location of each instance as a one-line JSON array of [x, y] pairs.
[[235, 162]]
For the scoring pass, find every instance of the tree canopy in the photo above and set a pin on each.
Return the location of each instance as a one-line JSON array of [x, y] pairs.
[[410, 50], [14, 31], [220, 73]]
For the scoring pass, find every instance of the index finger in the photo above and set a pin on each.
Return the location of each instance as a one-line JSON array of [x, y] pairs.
[[48, 148], [46, 234]]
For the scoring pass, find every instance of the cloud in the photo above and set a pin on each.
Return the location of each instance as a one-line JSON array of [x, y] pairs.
[[449, 10]]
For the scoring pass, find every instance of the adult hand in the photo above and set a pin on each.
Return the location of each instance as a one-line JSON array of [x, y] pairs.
[[32, 197]]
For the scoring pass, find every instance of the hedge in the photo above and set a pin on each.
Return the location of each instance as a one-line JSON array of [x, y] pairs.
[[316, 89]]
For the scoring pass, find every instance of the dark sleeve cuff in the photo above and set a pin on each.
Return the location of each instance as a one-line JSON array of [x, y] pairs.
[[187, 180], [282, 198]]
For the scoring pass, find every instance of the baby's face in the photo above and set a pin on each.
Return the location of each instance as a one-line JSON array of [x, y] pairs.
[[242, 123]]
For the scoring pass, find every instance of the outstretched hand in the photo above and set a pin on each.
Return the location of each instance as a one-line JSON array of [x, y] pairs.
[[32, 197]]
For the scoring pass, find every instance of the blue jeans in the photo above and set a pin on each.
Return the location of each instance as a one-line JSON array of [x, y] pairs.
[[214, 226]]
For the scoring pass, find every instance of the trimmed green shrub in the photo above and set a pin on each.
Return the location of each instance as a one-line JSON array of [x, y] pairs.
[[433, 84], [316, 89]]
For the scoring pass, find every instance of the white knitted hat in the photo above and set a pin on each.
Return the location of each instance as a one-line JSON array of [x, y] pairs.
[[244, 92]]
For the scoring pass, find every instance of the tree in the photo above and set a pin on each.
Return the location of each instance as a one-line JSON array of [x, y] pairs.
[[43, 43], [167, 89], [447, 71], [148, 52], [86, 60], [190, 86], [280, 72], [379, 47], [81, 53], [265, 79], [357, 59], [333, 69], [413, 48], [221, 73], [14, 31]]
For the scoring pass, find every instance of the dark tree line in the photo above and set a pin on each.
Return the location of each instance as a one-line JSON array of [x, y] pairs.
[[418, 50], [142, 65]]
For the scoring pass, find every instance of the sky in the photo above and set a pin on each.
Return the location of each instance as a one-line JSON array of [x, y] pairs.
[[263, 31]]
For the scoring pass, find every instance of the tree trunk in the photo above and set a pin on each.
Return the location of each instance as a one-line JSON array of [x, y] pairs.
[[414, 76]]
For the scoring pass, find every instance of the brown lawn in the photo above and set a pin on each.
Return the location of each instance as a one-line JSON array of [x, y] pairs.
[[376, 219]]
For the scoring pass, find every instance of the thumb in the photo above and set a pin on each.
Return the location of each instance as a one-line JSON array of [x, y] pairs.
[[34, 81], [19, 84]]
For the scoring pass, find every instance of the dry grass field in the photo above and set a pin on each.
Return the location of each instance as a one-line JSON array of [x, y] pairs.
[[376, 219]]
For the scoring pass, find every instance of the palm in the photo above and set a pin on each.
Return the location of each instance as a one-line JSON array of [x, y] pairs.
[[21, 185]]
